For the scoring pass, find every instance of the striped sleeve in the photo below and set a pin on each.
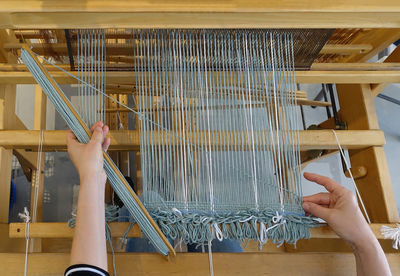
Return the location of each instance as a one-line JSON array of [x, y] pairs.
[[85, 270]]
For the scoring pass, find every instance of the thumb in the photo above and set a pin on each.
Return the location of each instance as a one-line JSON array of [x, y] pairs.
[[316, 210], [97, 136]]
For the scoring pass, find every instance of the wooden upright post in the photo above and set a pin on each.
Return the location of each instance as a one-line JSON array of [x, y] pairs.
[[37, 187], [358, 111], [7, 108]]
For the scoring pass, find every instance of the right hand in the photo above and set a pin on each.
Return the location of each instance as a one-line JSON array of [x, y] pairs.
[[88, 158], [339, 208]]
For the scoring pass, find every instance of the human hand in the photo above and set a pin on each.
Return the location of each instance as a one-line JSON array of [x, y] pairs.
[[339, 208], [88, 158]]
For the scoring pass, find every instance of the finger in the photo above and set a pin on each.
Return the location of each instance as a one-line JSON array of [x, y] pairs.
[[71, 138], [97, 136], [317, 210], [329, 184], [321, 198], [105, 130], [97, 124], [106, 143]]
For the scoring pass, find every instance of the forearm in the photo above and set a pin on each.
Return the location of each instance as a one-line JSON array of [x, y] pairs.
[[370, 258], [89, 242]]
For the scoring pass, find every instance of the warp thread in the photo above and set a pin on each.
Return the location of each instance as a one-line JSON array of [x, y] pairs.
[[27, 219]]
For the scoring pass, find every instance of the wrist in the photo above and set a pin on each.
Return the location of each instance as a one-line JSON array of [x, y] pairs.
[[92, 178], [364, 242]]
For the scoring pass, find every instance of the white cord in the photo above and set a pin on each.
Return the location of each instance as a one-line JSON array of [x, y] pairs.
[[26, 218], [210, 260], [351, 176], [393, 234]]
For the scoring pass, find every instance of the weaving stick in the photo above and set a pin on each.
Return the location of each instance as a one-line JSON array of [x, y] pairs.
[[105, 156]]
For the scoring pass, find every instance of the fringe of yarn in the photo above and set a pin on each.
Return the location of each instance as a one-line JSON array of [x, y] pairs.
[[255, 225], [197, 227]]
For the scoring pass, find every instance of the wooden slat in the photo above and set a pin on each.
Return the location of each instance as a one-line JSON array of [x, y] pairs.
[[378, 38], [199, 14], [197, 264], [354, 66], [129, 139], [358, 111], [7, 111], [61, 230], [319, 66], [393, 57], [115, 49], [346, 49], [37, 187], [388, 76]]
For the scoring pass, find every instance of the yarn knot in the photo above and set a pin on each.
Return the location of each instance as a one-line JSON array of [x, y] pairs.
[[392, 233], [25, 215]]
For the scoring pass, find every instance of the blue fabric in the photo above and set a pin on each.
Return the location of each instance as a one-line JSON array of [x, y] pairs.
[[218, 246]]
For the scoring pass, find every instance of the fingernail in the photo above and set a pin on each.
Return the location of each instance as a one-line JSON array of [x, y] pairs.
[[98, 129], [306, 206]]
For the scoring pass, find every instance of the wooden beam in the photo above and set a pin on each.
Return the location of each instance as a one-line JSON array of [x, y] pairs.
[[393, 57], [125, 77], [378, 38], [196, 264], [116, 49], [199, 14], [354, 66], [319, 66], [7, 113], [5, 183], [358, 111], [61, 230], [344, 49], [37, 187], [26, 159], [129, 139]]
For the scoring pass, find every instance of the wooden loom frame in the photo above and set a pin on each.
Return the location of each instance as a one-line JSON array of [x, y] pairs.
[[357, 84]]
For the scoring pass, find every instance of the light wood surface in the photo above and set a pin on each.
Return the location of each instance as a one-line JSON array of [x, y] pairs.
[[317, 66], [129, 139], [378, 38], [353, 66], [199, 14], [7, 111], [393, 57], [118, 50], [358, 111], [388, 76], [197, 264], [61, 230]]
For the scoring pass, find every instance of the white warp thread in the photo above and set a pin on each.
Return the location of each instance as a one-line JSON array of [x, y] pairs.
[[351, 176], [27, 219]]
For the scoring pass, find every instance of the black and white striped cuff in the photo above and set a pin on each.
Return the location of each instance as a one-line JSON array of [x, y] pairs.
[[85, 270]]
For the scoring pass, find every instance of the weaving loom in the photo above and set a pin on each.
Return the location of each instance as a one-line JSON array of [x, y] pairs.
[[180, 108], [218, 124]]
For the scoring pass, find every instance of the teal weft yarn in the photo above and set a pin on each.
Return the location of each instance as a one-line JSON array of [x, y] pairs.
[[194, 227]]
